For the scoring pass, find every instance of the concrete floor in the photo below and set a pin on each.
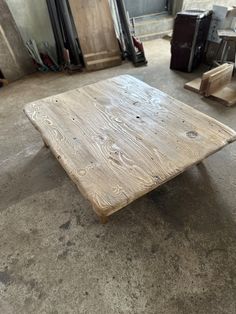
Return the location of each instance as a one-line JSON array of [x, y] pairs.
[[172, 251]]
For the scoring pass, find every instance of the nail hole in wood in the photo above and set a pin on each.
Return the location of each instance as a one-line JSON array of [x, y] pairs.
[[192, 134]]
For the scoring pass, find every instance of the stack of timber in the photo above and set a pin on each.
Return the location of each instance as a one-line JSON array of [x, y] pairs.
[[94, 25], [216, 84]]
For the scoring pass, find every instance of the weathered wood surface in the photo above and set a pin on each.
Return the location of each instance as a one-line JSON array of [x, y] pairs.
[[211, 81], [206, 75], [120, 138], [226, 95], [94, 24], [219, 80], [194, 85]]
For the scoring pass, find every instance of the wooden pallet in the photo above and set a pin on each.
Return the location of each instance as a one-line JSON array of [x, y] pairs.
[[120, 138]]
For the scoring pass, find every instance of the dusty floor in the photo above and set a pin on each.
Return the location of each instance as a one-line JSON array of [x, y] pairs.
[[172, 251]]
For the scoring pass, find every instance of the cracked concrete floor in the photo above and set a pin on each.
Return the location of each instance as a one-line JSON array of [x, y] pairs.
[[172, 251]]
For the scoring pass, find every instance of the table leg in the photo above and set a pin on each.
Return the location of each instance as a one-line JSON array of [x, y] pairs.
[[45, 144], [103, 219]]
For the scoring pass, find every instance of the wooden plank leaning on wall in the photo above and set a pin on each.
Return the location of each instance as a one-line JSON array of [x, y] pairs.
[[94, 25]]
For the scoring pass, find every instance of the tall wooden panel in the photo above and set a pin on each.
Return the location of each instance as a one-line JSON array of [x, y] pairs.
[[93, 21]]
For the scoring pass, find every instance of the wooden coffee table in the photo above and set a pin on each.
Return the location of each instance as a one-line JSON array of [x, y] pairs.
[[120, 138]]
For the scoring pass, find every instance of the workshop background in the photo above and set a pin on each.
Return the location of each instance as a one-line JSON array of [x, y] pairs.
[[171, 251]]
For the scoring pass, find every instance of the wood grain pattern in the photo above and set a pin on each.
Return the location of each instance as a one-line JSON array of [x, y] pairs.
[[226, 95], [120, 138], [94, 24], [206, 75], [219, 80], [194, 85]]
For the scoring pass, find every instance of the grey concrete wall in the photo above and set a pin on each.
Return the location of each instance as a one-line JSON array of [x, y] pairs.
[[32, 19], [14, 59], [176, 6], [143, 7], [206, 4]]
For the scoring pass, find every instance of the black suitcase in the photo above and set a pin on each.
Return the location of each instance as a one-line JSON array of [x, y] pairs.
[[190, 33]]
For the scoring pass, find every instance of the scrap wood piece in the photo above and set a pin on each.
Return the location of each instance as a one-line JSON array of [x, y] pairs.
[[193, 85], [219, 79], [214, 83], [206, 75], [219, 75], [120, 138], [226, 95]]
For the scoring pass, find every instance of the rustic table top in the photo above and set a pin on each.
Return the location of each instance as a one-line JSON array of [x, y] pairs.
[[120, 138]]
